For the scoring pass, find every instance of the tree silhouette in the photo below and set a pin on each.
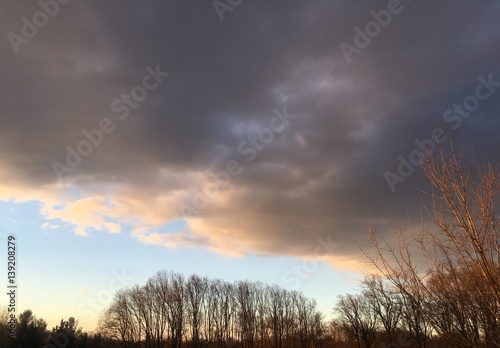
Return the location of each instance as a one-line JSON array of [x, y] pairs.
[[31, 332]]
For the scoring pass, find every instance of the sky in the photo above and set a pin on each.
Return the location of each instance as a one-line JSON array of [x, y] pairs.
[[233, 139]]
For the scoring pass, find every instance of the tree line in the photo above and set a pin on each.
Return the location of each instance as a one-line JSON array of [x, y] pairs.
[[172, 311], [32, 332]]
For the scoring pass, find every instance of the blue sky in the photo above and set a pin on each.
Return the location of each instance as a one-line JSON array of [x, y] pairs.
[[61, 274]]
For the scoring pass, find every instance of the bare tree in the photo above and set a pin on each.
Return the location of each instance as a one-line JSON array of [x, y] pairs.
[[277, 314], [262, 310], [196, 292], [245, 299], [339, 337], [457, 290], [5, 326], [385, 301], [157, 287], [305, 315], [176, 308], [358, 318], [118, 321]]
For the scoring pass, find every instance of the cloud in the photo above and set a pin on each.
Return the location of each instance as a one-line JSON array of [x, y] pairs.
[[81, 231], [321, 176], [48, 225]]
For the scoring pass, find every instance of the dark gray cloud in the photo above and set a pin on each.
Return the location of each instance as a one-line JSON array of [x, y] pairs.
[[322, 175]]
